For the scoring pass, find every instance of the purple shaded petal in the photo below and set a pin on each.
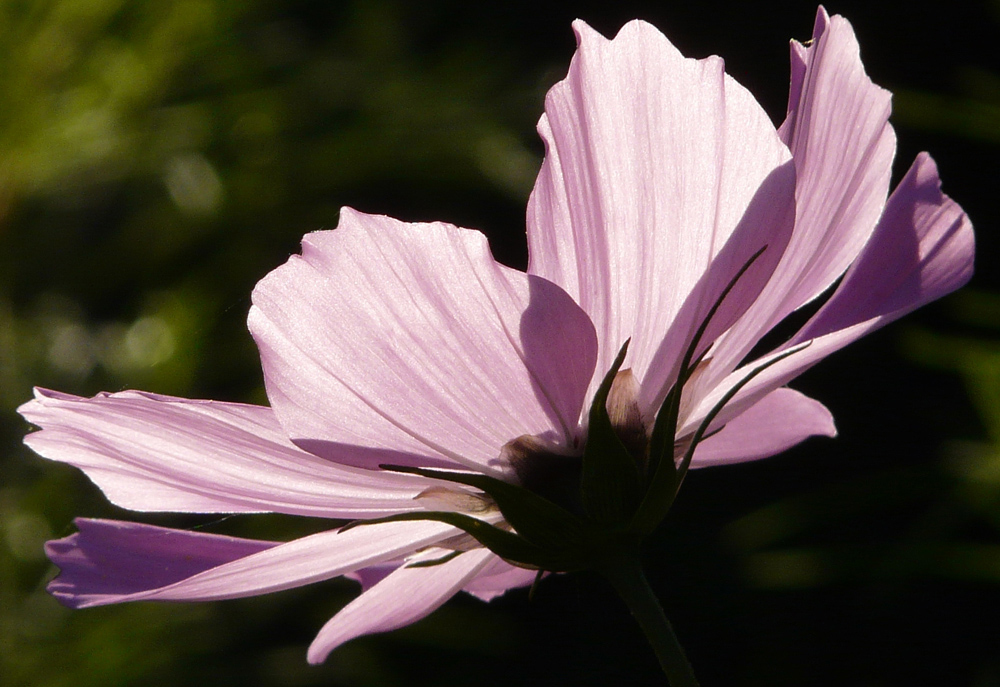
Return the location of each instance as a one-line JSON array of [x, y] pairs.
[[109, 558], [372, 575], [652, 161], [296, 563], [775, 423], [160, 453], [922, 249], [403, 597], [411, 338], [497, 578], [843, 146]]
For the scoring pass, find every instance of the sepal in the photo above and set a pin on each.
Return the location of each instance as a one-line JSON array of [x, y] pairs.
[[663, 489], [538, 520], [609, 482], [503, 543]]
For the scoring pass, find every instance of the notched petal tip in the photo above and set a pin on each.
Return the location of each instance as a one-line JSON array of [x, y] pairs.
[[585, 32], [109, 561]]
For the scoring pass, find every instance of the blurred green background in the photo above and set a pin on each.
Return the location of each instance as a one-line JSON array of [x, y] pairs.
[[158, 158]]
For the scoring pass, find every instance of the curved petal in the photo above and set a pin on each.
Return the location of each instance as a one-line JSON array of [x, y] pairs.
[[405, 596], [922, 249], [652, 162], [839, 133], [410, 338], [106, 559], [837, 129], [774, 424], [296, 563], [160, 453]]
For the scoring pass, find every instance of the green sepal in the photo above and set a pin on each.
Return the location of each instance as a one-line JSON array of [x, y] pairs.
[[437, 561], [661, 493], [662, 472], [609, 481], [665, 428], [534, 585], [699, 433], [536, 519]]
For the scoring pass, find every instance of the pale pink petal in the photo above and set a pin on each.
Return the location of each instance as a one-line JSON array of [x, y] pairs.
[[843, 146], [409, 338], [303, 561], [922, 249], [754, 232], [652, 162], [775, 423], [160, 453], [110, 558], [403, 597]]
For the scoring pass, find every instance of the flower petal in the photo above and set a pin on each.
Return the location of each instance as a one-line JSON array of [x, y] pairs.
[[839, 134], [303, 561], [410, 338], [775, 423], [837, 129], [405, 596], [652, 161], [922, 249], [159, 453], [106, 559]]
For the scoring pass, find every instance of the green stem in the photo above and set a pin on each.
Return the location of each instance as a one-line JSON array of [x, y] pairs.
[[627, 578]]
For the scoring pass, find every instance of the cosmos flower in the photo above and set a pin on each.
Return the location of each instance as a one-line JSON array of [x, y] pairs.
[[411, 376]]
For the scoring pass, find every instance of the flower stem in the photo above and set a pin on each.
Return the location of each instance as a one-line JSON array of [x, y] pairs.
[[627, 578]]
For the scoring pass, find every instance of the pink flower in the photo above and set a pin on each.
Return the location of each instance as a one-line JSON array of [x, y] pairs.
[[664, 184]]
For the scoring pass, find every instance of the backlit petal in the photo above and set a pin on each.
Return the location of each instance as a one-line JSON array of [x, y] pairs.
[[159, 453], [652, 161], [843, 146], [386, 337], [303, 561], [922, 249], [107, 559], [775, 423], [404, 596]]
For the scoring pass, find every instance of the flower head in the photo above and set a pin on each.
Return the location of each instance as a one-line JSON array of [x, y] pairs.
[[477, 417]]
